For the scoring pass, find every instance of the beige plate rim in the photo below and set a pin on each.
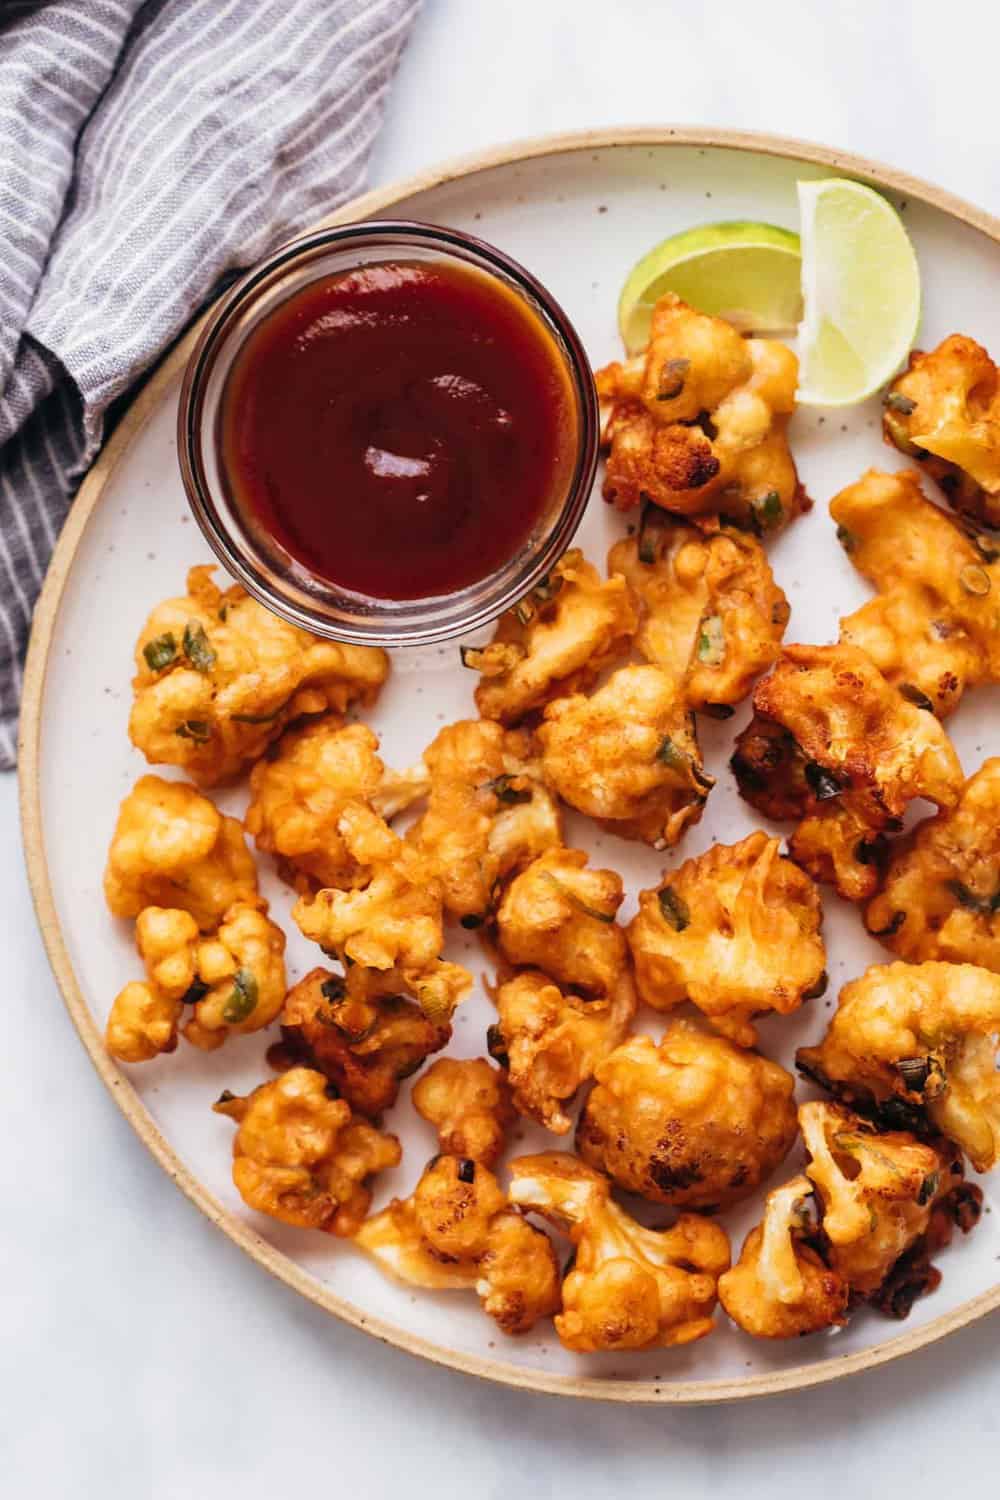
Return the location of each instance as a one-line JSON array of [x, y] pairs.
[[281, 1266]]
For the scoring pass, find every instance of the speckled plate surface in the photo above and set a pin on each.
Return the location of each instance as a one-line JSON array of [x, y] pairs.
[[577, 211]]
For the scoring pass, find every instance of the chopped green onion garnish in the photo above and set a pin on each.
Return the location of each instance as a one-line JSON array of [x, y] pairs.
[[160, 652]]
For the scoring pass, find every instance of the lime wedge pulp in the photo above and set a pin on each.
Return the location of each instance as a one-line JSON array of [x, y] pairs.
[[745, 272], [860, 289]]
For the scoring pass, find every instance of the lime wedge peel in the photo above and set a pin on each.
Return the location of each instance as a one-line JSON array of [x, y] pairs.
[[861, 292], [746, 272]]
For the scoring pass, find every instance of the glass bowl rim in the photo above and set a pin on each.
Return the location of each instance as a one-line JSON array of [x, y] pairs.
[[487, 605]]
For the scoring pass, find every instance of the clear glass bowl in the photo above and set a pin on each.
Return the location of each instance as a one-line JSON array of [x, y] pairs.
[[257, 560]]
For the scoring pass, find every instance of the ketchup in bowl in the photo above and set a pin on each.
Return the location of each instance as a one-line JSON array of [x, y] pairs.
[[399, 429]]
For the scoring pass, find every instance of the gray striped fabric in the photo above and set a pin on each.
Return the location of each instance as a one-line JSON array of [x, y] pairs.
[[147, 149]]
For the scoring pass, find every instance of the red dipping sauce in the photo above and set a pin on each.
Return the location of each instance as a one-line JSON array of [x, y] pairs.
[[400, 429]]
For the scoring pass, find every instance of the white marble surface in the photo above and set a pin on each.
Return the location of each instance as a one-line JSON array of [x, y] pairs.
[[141, 1355]]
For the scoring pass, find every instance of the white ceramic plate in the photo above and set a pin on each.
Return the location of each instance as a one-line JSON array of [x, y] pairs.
[[578, 212]]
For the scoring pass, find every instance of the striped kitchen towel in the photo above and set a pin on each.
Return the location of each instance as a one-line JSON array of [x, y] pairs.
[[146, 150]]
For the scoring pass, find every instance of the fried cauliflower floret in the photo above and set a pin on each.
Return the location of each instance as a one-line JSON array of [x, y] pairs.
[[559, 915], [940, 897], [781, 1288], [457, 1231], [832, 743], [699, 421], [233, 980], [736, 931], [218, 677], [628, 755], [171, 847], [944, 412], [630, 1287], [877, 1192], [488, 813], [932, 627], [713, 616], [301, 1157], [142, 1023], [551, 1041], [557, 640], [240, 979], [363, 1039], [299, 790], [394, 921], [468, 1102], [694, 1121], [915, 1045]]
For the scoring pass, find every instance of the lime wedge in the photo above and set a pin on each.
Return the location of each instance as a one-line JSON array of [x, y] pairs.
[[861, 290], [748, 273]]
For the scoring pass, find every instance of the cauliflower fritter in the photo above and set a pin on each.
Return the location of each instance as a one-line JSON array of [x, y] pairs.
[[551, 1041], [833, 744], [360, 1035], [559, 915], [713, 615], [629, 756], [468, 1102], [557, 640], [240, 981], [142, 1023], [218, 677], [395, 921], [781, 1288], [878, 1193], [488, 813], [915, 1045], [698, 422], [234, 981], [457, 1231], [630, 1287], [940, 898], [301, 1157], [299, 790], [694, 1122], [735, 930], [944, 412], [171, 847], [932, 627]]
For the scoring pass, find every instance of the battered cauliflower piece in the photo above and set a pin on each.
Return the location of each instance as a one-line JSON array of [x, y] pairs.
[[395, 921], [218, 677], [781, 1288], [915, 1045], [559, 915], [359, 1034], [713, 615], [940, 898], [171, 847], [694, 1121], [736, 931], [298, 792], [240, 980], [233, 980], [630, 1287], [142, 1023], [832, 743], [944, 412], [487, 816], [551, 1041], [568, 630], [932, 627], [629, 756], [468, 1102], [698, 423], [301, 1157], [878, 1193], [457, 1231]]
